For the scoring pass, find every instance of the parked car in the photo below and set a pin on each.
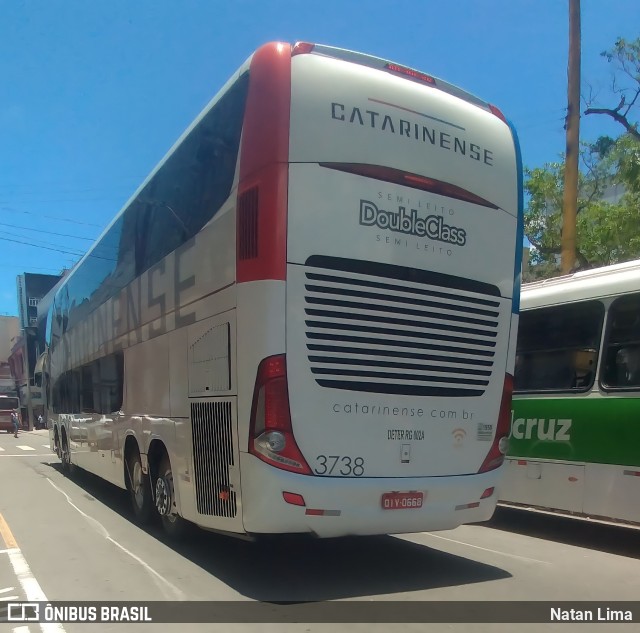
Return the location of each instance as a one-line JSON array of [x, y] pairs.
[[7, 405]]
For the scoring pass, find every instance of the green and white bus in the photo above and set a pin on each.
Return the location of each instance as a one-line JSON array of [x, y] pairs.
[[575, 430]]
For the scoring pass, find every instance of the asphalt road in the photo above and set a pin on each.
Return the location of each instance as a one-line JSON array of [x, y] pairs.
[[74, 540]]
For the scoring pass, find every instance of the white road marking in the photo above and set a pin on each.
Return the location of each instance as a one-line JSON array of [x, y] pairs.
[[46, 445], [7, 590], [30, 586], [486, 549], [7, 598], [25, 448], [160, 580], [1, 449], [21, 629], [31, 455]]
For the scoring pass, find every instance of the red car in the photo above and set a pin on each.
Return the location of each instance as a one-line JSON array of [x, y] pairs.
[[7, 405]]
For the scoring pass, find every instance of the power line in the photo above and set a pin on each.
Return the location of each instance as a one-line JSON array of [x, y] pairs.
[[27, 228], [51, 186], [48, 248], [45, 243], [19, 198], [50, 217], [23, 269]]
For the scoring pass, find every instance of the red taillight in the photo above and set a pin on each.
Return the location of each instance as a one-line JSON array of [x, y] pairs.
[[487, 493], [293, 499], [270, 433], [399, 177], [498, 113], [299, 48], [409, 72], [495, 457]]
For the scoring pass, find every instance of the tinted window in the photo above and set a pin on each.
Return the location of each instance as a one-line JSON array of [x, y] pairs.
[[97, 387], [558, 347], [177, 202], [621, 367], [8, 404], [194, 182], [99, 277]]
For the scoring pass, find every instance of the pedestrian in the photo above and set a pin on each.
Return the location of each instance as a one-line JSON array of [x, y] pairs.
[[16, 422], [40, 422]]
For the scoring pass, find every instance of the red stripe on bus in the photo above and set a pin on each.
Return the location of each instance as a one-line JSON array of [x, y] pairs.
[[522, 462], [264, 156], [632, 473]]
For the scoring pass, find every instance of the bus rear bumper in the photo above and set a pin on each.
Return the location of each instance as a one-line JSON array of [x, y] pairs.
[[351, 506]]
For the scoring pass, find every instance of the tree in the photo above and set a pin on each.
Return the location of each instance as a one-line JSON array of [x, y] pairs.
[[625, 57], [607, 231]]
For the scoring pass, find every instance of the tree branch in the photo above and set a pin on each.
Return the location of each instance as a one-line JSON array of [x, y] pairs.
[[545, 250], [614, 114]]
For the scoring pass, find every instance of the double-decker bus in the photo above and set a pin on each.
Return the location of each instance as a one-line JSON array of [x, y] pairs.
[[576, 410], [303, 321]]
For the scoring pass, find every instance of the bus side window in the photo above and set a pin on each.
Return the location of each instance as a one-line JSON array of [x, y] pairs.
[[622, 367], [628, 367], [557, 347], [584, 366]]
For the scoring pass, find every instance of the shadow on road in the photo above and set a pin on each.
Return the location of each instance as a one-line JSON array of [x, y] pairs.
[[612, 539], [296, 568]]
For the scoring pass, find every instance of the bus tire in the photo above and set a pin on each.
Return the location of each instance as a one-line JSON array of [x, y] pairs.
[[173, 524], [65, 456], [139, 486]]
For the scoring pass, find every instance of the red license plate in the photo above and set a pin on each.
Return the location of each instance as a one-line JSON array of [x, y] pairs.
[[402, 500]]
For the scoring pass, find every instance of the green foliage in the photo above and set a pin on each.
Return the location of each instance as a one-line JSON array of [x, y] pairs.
[[608, 231], [625, 55], [625, 156], [625, 87], [608, 228]]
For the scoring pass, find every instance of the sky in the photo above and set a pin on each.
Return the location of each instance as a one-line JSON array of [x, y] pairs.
[[94, 93]]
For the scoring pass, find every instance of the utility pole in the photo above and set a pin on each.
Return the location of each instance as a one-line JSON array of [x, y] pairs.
[[570, 198], [27, 337]]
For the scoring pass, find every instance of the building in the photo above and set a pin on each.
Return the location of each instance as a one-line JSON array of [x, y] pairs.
[[9, 331], [28, 346]]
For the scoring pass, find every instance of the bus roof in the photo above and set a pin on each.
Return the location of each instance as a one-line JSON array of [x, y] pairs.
[[597, 283], [392, 67]]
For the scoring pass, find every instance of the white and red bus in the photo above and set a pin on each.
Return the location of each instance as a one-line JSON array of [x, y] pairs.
[[304, 320]]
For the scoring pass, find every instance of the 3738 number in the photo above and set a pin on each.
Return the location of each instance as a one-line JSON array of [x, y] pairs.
[[338, 464]]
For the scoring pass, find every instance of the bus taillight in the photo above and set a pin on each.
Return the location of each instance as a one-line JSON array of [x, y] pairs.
[[300, 48], [271, 434], [498, 113], [495, 457]]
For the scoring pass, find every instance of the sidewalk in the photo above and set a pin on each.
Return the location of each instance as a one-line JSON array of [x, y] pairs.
[[43, 432]]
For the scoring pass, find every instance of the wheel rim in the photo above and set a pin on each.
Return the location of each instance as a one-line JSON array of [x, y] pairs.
[[163, 497]]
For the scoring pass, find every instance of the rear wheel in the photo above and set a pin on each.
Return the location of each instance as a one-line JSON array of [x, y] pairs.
[[174, 525], [65, 456], [139, 489]]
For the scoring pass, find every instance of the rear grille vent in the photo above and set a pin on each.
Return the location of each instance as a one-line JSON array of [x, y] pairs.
[[248, 224], [387, 329], [212, 457]]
